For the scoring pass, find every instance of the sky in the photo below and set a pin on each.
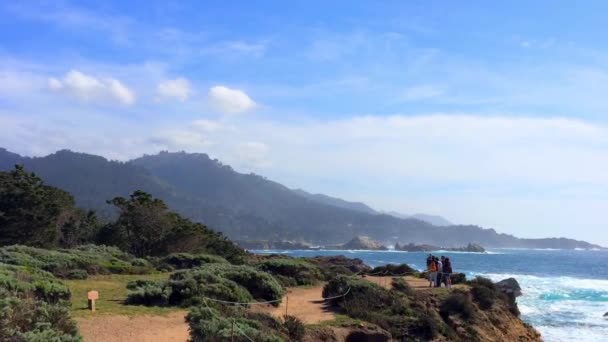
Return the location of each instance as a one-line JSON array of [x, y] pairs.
[[484, 113]]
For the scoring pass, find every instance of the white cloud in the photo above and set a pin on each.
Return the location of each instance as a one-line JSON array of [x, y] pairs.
[[229, 101], [89, 88], [55, 84], [121, 92], [178, 88]]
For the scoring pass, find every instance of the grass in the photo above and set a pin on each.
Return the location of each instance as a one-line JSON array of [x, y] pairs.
[[112, 293]]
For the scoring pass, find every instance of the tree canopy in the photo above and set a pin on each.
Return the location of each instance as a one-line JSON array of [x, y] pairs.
[[35, 214]]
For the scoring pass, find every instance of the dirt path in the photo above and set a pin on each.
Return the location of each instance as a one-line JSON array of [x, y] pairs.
[[306, 303], [115, 328], [386, 282]]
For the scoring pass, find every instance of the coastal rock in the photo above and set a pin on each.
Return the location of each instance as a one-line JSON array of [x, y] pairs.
[[471, 247], [509, 286], [363, 242], [416, 248], [355, 265]]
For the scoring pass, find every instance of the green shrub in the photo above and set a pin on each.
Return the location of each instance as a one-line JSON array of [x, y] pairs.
[[64, 263], [484, 296], [399, 284], [481, 281], [425, 327], [457, 303], [188, 286], [370, 302], [458, 278], [187, 260], [295, 328], [216, 281], [77, 274], [34, 306], [291, 271], [219, 323], [21, 281], [484, 292], [148, 292]]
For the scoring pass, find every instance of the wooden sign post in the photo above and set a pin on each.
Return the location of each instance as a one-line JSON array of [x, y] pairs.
[[92, 296]]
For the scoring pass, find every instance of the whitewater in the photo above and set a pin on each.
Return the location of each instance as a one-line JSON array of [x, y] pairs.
[[565, 293]]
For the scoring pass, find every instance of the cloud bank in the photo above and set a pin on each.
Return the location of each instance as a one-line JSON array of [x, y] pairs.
[[89, 88]]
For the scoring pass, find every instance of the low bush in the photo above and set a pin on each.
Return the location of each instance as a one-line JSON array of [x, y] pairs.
[[484, 296], [484, 292], [459, 278], [74, 263], [294, 327], [34, 306], [457, 303], [425, 327], [365, 300], [77, 274], [291, 271], [399, 284], [221, 323], [186, 260], [216, 281], [148, 292]]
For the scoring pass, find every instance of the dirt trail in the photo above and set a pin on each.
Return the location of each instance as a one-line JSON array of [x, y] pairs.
[[306, 303], [386, 282], [115, 328]]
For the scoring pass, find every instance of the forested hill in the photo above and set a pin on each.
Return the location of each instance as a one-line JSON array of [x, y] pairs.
[[246, 206]]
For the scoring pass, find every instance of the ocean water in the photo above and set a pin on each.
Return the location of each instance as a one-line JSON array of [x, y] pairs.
[[565, 293]]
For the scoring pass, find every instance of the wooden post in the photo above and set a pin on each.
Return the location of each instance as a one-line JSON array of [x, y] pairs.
[[92, 296], [232, 331], [286, 304]]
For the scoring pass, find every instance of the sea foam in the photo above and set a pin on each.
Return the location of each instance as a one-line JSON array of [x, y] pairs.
[[563, 308]]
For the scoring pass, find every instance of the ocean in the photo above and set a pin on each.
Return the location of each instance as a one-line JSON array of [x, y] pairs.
[[565, 293]]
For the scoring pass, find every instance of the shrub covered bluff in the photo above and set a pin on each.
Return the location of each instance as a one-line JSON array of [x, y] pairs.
[[229, 294]]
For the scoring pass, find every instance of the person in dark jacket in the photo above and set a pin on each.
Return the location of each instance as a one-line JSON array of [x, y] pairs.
[[447, 272]]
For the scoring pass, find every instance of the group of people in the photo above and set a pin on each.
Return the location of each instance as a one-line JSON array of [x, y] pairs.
[[440, 271]]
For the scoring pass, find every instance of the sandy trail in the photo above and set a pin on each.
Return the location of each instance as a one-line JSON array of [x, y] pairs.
[[115, 328], [306, 303], [386, 282]]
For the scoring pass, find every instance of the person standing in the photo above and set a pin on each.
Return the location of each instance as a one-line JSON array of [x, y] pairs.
[[432, 272], [439, 271], [447, 272]]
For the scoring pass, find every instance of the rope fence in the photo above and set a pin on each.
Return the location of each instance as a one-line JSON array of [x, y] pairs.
[[236, 327]]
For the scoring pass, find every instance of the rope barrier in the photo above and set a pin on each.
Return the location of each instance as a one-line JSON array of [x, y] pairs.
[[242, 303], [240, 330]]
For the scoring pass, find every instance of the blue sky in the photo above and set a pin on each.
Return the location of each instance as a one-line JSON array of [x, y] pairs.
[[491, 114]]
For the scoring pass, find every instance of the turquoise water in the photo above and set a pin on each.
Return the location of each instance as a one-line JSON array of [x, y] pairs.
[[565, 293]]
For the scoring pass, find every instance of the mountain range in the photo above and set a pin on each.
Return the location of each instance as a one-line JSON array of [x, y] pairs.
[[249, 206]]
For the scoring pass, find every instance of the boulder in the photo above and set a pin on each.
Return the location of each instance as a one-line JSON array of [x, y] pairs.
[[363, 242], [509, 286], [606, 315]]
